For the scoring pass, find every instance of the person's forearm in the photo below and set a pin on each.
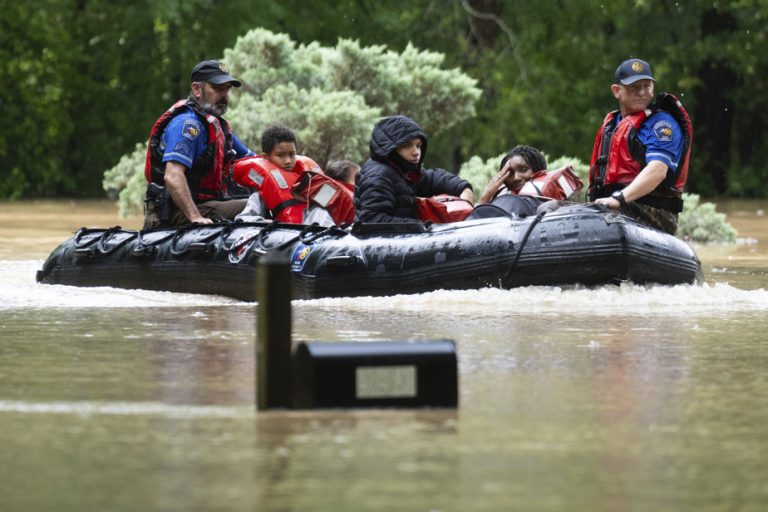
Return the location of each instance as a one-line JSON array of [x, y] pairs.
[[645, 182], [177, 186], [487, 195]]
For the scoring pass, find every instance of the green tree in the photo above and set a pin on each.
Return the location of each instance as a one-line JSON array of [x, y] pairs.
[[32, 62], [84, 79], [331, 96]]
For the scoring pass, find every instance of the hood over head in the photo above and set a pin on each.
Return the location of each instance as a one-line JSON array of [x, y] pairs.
[[390, 133]]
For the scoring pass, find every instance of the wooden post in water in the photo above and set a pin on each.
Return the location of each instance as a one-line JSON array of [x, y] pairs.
[[273, 332]]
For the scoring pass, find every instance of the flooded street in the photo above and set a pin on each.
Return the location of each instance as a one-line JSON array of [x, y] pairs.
[[615, 398]]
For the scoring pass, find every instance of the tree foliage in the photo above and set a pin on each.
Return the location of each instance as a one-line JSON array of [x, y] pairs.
[[84, 79], [330, 96], [324, 91]]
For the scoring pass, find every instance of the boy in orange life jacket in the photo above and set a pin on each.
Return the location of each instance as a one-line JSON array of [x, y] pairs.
[[278, 146], [516, 168]]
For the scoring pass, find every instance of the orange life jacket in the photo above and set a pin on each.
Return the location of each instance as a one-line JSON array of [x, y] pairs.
[[275, 184], [206, 178], [560, 184], [442, 209], [618, 156], [333, 195]]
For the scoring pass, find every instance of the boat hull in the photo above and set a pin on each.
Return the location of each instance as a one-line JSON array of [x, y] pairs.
[[575, 245]]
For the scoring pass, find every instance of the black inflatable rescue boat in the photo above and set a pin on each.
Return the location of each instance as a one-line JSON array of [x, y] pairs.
[[576, 244]]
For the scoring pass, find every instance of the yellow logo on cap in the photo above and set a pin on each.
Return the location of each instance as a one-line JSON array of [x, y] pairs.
[[666, 131], [223, 68], [637, 66]]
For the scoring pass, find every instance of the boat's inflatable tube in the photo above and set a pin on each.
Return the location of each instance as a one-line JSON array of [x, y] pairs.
[[573, 245]]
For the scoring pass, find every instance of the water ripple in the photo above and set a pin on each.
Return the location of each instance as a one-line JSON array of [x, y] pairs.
[[124, 408]]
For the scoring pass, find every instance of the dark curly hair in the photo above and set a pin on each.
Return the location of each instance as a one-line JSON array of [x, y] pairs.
[[531, 155], [274, 135]]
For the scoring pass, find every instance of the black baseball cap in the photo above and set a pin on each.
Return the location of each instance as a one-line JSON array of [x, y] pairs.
[[632, 70], [214, 72]]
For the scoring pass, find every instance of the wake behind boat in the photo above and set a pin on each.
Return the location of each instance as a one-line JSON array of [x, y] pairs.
[[578, 244]]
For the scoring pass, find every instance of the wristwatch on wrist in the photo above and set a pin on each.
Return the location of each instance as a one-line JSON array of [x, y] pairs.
[[619, 196]]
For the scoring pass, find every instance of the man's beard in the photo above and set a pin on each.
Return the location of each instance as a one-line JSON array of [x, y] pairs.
[[217, 109]]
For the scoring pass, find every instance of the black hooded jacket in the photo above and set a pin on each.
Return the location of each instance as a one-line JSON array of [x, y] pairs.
[[386, 193]]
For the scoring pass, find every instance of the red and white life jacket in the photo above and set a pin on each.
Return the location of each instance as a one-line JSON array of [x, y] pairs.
[[275, 184], [335, 196], [443, 208], [560, 184], [206, 177], [618, 156]]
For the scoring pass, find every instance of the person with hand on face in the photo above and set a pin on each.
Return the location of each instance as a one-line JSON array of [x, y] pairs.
[[517, 167], [391, 179], [190, 155], [639, 163]]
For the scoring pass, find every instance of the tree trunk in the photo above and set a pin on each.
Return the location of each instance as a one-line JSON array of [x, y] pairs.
[[713, 116]]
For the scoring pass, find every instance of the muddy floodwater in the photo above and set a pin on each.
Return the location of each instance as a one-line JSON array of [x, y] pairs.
[[627, 398]]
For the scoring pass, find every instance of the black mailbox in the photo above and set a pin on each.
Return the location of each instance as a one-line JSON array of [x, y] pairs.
[[375, 374]]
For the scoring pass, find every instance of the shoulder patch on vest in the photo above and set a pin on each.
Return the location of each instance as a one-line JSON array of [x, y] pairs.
[[663, 130], [191, 129]]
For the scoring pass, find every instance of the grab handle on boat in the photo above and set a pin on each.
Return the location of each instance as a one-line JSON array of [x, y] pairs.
[[346, 260], [143, 251], [202, 246], [86, 253], [199, 248]]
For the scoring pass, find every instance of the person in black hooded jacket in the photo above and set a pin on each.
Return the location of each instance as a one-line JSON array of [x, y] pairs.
[[390, 180]]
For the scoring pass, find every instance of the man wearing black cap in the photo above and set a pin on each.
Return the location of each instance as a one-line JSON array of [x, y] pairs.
[[190, 154], [639, 162]]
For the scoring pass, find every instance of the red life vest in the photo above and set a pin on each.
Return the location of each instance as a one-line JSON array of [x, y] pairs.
[[333, 195], [560, 184], [206, 178], [442, 209], [275, 184], [618, 156]]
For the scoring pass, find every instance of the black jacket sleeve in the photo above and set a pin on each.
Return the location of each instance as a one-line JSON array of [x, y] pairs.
[[439, 181]]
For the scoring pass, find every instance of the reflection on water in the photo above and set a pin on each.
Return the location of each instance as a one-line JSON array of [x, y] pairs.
[[615, 398]]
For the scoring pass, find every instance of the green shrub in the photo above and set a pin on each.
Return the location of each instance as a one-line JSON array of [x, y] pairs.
[[127, 180], [330, 96], [699, 222]]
